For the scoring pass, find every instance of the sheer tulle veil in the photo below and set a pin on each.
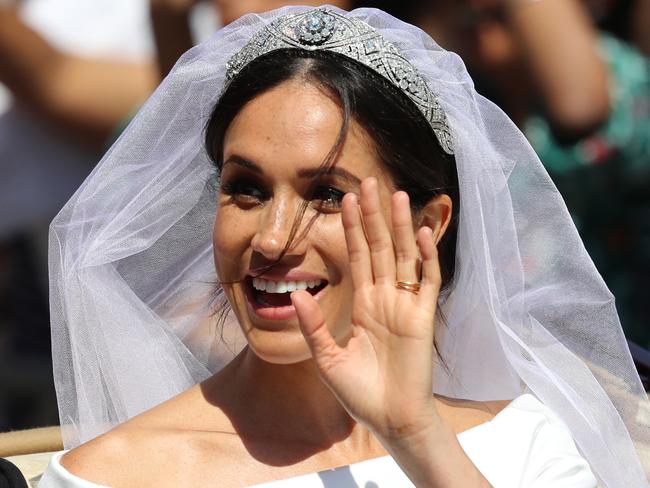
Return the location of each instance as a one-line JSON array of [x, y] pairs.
[[132, 278]]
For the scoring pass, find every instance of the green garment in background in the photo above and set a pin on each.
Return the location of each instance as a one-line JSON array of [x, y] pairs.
[[605, 181]]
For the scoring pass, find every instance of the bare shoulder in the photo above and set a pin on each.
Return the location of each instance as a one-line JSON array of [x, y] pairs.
[[109, 459], [131, 456], [151, 449], [465, 414]]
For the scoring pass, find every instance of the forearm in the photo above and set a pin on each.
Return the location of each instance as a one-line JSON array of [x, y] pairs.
[[92, 97], [433, 457], [85, 97], [558, 44]]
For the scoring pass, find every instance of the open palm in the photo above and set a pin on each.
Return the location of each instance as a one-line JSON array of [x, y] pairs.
[[382, 376]]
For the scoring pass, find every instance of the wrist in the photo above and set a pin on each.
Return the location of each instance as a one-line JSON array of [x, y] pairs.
[[433, 456], [412, 425], [416, 437]]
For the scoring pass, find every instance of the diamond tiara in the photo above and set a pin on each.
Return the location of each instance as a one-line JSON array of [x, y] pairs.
[[325, 30]]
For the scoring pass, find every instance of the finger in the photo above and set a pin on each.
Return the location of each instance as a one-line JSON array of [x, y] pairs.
[[431, 279], [322, 345], [382, 255], [406, 249], [358, 251]]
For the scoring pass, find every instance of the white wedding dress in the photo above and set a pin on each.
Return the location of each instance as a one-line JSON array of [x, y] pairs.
[[524, 446]]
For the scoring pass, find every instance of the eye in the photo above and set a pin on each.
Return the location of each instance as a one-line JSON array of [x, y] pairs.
[[244, 191], [327, 199]]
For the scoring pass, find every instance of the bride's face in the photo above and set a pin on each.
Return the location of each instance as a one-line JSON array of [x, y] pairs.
[[273, 150]]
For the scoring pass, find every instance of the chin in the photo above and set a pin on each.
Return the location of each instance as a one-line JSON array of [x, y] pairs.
[[286, 346]]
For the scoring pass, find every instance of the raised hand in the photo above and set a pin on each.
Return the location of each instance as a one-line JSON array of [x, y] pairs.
[[383, 375]]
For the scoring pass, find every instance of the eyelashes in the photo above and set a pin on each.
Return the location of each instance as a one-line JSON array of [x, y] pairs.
[[244, 191], [248, 193], [327, 199]]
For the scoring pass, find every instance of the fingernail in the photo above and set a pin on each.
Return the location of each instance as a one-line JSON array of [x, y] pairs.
[[402, 194]]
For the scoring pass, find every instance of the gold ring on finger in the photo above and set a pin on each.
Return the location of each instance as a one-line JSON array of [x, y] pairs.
[[412, 286]]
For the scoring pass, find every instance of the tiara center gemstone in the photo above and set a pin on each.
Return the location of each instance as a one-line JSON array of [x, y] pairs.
[[316, 28]]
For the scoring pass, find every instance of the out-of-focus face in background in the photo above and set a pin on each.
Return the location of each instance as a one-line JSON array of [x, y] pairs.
[[477, 30]]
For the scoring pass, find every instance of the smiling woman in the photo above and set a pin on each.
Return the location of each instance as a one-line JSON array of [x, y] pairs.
[[330, 104], [416, 306], [352, 123]]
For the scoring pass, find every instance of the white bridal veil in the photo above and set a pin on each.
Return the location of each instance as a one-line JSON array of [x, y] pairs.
[[132, 277]]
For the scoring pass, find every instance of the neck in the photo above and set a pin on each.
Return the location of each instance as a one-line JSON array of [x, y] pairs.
[[284, 405]]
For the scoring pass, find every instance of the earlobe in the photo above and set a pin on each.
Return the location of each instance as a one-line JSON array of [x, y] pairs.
[[437, 215]]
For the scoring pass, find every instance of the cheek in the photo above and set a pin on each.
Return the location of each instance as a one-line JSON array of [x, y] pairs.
[[231, 237], [329, 239]]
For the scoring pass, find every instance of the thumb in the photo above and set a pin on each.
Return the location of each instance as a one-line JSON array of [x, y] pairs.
[[312, 324]]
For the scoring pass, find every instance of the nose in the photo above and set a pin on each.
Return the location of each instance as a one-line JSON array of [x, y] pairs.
[[276, 222]]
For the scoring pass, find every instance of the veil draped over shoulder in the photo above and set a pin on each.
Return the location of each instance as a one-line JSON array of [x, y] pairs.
[[133, 283]]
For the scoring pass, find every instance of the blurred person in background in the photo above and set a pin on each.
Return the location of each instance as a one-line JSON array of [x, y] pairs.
[[69, 72], [582, 97]]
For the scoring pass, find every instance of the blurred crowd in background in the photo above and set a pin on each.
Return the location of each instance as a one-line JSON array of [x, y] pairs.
[[574, 75]]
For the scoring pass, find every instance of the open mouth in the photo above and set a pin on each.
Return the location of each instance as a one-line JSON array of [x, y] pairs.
[[271, 299]]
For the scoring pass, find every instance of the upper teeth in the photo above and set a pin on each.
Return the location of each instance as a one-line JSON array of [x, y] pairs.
[[283, 286]]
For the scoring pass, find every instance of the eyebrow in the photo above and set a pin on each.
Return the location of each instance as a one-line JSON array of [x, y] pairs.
[[331, 170], [303, 173], [238, 160]]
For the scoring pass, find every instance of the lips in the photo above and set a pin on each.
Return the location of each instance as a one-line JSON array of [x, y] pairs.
[[270, 299]]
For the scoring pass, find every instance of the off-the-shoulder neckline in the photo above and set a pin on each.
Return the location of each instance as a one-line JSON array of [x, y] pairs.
[[517, 402], [55, 462]]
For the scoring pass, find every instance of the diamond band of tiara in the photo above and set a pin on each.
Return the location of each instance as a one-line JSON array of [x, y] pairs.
[[325, 30]]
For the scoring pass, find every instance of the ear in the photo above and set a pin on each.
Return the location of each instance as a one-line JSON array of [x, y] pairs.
[[436, 215]]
